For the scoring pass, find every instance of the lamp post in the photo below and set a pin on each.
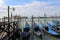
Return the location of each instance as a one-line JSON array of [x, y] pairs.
[[9, 20], [13, 9], [8, 24], [45, 19]]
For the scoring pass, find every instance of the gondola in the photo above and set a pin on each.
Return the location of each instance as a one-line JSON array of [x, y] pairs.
[[37, 30], [55, 26], [51, 26], [55, 22], [26, 32], [48, 30]]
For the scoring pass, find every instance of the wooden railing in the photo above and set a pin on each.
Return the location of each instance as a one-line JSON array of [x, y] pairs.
[[4, 27]]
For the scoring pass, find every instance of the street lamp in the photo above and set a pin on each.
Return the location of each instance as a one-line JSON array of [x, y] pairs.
[[13, 9], [9, 20]]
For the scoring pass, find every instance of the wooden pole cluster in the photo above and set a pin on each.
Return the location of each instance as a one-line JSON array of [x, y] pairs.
[[45, 19], [8, 14], [11, 17], [4, 18]]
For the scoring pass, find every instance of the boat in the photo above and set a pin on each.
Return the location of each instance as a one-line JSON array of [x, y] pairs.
[[51, 26], [26, 32], [49, 31], [56, 22], [54, 27], [37, 30]]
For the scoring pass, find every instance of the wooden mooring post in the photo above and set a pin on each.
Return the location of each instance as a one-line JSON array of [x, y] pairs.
[[32, 31]]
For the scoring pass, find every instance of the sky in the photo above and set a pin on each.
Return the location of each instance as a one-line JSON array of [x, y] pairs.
[[30, 7]]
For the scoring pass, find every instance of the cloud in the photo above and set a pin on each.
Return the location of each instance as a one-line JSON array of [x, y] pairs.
[[3, 9], [35, 8], [1, 2], [17, 2], [55, 2], [2, 5]]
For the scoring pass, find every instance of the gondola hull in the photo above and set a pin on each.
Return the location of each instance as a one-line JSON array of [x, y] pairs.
[[48, 30], [45, 31], [37, 30], [38, 34], [58, 31], [55, 28]]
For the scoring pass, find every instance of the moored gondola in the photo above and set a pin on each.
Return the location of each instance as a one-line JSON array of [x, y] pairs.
[[49, 31], [26, 32], [54, 27], [37, 30]]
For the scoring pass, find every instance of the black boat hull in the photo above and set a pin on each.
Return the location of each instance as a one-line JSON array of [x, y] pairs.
[[40, 35], [46, 32]]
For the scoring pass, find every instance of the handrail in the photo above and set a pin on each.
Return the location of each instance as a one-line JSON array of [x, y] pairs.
[[11, 32]]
